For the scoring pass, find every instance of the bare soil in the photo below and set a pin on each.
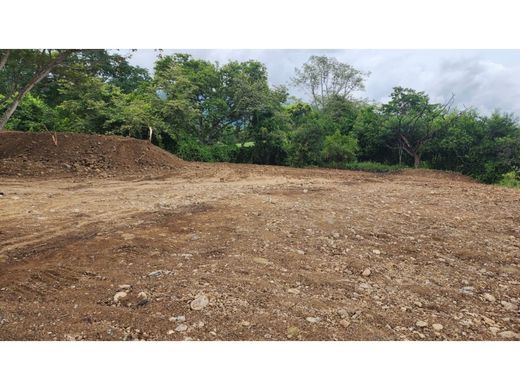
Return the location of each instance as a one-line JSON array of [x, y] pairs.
[[279, 253]]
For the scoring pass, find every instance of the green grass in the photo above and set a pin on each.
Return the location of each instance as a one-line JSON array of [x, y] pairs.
[[511, 180], [370, 166]]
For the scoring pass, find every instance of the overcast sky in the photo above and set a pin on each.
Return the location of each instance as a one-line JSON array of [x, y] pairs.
[[484, 79]]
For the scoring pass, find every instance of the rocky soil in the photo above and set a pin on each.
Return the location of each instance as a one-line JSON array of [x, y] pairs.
[[242, 252]]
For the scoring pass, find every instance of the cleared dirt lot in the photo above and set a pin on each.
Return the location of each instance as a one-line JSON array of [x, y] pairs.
[[267, 253]]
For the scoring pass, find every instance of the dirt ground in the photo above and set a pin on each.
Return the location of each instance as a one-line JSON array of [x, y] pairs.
[[243, 252]]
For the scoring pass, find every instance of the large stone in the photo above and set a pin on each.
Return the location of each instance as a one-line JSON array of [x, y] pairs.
[[120, 296], [509, 306], [509, 335], [200, 302], [489, 297]]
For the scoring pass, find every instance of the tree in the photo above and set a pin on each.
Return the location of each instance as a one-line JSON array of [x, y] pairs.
[[373, 137], [413, 120], [25, 69], [340, 148], [326, 77]]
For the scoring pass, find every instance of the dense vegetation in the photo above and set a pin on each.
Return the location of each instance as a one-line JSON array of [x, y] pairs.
[[210, 112]]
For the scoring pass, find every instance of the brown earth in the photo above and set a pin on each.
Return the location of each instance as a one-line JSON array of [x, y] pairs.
[[36, 154], [279, 253]]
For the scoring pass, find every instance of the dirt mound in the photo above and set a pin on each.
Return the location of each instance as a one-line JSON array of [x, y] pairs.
[[36, 154]]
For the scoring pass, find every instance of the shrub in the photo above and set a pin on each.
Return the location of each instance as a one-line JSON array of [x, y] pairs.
[[339, 148], [370, 166], [510, 179]]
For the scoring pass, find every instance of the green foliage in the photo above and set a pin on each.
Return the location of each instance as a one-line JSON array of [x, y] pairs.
[[325, 78], [207, 112], [192, 150], [371, 166], [306, 144], [510, 179], [339, 148], [33, 114]]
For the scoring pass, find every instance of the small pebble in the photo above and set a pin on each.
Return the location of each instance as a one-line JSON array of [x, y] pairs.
[[181, 328]]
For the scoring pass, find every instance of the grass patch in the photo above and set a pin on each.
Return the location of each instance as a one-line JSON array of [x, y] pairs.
[[370, 166], [510, 180]]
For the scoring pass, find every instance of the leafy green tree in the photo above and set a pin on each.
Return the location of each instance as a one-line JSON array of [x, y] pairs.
[[340, 148], [33, 114], [21, 71], [373, 137], [194, 100], [325, 77], [413, 121]]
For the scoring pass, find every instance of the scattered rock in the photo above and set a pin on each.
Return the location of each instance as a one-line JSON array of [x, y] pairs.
[[171, 331], [293, 291], [376, 251], [489, 297], [335, 235], [421, 324], [437, 327], [127, 236], [494, 329], [366, 272], [245, 323], [313, 320], [467, 290], [510, 335], [418, 303], [181, 328], [467, 322], [261, 260], [200, 302], [509, 306], [155, 274], [120, 296], [142, 298], [177, 319], [125, 287], [300, 252], [344, 323], [292, 331]]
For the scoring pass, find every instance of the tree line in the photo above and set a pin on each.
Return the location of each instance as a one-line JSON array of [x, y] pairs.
[[205, 111]]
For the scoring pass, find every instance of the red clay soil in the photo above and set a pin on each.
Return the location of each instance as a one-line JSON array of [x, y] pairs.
[[242, 252], [36, 154]]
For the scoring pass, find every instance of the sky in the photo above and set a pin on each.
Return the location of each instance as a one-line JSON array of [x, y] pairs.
[[487, 80]]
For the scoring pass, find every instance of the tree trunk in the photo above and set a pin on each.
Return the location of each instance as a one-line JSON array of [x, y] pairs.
[[416, 160], [39, 76], [4, 58]]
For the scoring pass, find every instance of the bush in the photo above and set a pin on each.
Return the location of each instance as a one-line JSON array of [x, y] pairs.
[[339, 148], [510, 179], [191, 150], [370, 166]]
